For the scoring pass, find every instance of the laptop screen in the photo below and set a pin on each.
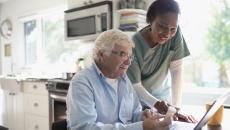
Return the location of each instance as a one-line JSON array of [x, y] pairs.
[[215, 106]]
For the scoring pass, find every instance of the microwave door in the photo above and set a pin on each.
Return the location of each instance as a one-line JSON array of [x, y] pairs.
[[81, 26], [98, 25], [104, 22]]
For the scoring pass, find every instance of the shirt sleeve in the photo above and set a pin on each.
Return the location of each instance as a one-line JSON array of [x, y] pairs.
[[176, 76], [81, 111], [179, 46], [134, 71], [144, 95]]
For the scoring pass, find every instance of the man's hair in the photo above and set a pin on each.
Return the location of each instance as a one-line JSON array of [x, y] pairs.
[[107, 39], [160, 7]]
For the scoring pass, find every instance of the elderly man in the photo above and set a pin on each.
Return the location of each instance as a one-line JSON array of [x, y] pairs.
[[101, 97]]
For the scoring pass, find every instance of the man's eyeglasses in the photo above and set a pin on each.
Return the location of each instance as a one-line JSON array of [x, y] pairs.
[[123, 55]]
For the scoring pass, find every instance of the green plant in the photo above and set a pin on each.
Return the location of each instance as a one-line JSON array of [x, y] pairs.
[[218, 39]]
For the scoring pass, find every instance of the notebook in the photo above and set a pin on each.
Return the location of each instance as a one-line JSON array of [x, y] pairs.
[[189, 126]]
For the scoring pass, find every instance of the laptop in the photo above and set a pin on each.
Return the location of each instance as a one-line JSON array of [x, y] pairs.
[[203, 121]]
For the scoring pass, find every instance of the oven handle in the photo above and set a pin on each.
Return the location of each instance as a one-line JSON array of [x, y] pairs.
[[57, 97]]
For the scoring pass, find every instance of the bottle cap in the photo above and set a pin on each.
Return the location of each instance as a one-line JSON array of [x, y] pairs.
[[171, 111]]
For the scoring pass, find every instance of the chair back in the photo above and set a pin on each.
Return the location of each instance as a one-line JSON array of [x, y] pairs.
[[59, 125], [3, 128]]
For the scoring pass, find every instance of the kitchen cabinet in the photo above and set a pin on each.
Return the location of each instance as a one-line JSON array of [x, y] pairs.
[[78, 3], [13, 110], [36, 102]]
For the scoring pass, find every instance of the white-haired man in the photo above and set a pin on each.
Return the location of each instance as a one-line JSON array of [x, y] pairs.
[[101, 97]]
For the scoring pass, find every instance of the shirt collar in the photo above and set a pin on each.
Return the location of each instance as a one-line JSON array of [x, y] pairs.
[[98, 71]]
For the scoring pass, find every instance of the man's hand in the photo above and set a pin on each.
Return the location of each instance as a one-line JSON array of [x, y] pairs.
[[156, 121], [148, 113]]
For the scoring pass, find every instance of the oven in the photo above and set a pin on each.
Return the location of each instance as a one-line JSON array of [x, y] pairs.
[[57, 99]]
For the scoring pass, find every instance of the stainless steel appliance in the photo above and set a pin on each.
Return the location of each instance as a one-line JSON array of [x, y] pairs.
[[88, 21], [57, 99]]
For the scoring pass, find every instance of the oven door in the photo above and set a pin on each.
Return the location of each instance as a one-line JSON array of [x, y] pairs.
[[57, 102]]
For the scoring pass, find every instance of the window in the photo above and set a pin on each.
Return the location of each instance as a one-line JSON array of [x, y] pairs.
[[30, 31], [204, 26], [46, 50]]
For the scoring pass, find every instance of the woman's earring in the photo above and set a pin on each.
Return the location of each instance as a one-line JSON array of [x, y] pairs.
[[150, 29]]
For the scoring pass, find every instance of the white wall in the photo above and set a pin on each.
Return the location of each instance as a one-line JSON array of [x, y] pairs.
[[0, 44], [14, 10]]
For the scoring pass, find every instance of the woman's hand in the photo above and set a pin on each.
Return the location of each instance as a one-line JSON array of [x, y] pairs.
[[162, 108], [179, 116]]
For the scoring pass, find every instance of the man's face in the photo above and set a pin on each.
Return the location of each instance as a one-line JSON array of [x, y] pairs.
[[164, 27], [117, 62]]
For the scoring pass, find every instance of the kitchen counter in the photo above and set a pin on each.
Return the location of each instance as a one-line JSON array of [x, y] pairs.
[[14, 83], [31, 99], [35, 80]]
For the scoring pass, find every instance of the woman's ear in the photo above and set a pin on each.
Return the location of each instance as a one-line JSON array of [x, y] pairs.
[[150, 27]]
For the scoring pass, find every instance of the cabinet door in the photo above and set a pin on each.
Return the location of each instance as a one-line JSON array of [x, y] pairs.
[[37, 88], [78, 3], [14, 118], [75, 3], [36, 104], [36, 123]]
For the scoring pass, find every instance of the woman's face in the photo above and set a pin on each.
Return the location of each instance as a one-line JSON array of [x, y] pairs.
[[164, 27]]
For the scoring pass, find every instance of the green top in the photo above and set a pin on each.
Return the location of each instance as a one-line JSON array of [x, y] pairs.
[[150, 65]]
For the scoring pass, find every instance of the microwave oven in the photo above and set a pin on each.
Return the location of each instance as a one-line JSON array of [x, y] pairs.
[[87, 22]]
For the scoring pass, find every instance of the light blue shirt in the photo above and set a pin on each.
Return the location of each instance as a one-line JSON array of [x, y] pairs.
[[92, 104]]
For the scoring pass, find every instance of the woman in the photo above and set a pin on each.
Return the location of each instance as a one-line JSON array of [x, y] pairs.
[[159, 48]]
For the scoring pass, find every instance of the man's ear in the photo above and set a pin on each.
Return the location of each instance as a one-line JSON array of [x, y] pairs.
[[100, 56]]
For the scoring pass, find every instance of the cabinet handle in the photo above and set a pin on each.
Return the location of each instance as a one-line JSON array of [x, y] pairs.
[[57, 97], [35, 86], [90, 1], [12, 94], [36, 127], [98, 15], [85, 3], [35, 104]]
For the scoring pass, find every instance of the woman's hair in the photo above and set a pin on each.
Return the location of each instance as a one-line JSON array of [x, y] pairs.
[[106, 41], [160, 7]]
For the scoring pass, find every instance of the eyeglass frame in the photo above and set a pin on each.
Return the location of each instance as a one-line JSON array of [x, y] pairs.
[[123, 55]]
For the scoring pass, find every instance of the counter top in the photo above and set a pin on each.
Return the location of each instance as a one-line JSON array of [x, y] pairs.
[[14, 83], [35, 80]]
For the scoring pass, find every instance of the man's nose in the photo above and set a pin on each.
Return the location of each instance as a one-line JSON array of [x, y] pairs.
[[128, 61]]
